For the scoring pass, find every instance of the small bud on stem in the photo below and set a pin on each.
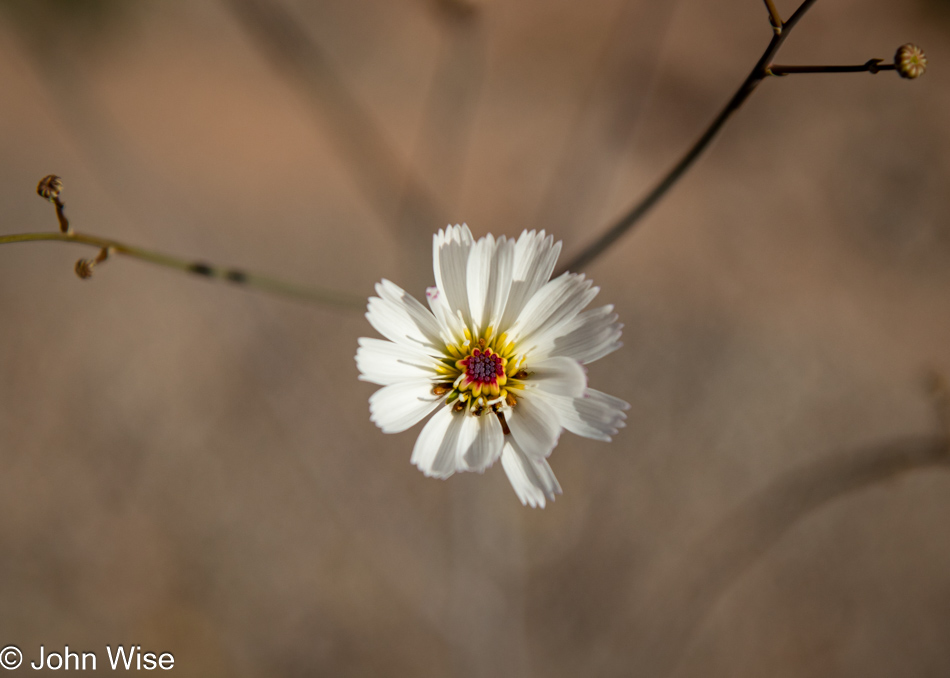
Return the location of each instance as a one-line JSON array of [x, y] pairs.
[[49, 188], [910, 61]]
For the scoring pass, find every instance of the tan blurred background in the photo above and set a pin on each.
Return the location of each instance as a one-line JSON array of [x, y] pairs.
[[191, 467]]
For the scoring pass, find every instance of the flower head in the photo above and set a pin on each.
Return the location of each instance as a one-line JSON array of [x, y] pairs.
[[498, 356]]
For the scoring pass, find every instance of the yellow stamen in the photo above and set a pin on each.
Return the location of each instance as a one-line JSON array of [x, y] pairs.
[[479, 396]]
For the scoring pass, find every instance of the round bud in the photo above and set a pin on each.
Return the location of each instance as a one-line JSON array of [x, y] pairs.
[[910, 60]]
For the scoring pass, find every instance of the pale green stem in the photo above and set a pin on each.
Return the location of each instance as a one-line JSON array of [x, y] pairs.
[[231, 275], [774, 17]]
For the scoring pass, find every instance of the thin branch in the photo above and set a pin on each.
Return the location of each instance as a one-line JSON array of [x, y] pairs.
[[625, 223], [231, 275], [871, 66]]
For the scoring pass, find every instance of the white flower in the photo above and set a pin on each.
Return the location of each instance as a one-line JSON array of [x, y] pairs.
[[499, 359]]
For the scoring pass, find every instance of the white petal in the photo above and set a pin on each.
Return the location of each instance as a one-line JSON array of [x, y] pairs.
[[557, 303], [589, 337], [384, 363], [401, 318], [534, 257], [479, 277], [437, 452], [398, 407], [557, 375], [487, 442], [534, 425], [489, 280], [452, 327], [450, 252], [594, 415], [532, 479]]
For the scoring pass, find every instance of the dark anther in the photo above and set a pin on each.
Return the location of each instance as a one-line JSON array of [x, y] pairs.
[[504, 424], [236, 276]]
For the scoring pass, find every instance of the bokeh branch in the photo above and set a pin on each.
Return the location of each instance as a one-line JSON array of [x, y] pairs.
[[451, 101], [746, 535], [614, 97], [715, 563], [384, 179]]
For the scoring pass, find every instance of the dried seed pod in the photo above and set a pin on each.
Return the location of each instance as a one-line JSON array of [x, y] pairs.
[[50, 187], [84, 268]]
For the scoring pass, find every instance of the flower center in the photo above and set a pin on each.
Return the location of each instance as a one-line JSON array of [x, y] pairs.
[[485, 367], [480, 374]]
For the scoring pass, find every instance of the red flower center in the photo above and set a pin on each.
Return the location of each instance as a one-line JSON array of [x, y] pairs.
[[483, 368]]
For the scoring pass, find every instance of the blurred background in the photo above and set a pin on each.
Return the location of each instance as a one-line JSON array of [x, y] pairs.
[[191, 468]]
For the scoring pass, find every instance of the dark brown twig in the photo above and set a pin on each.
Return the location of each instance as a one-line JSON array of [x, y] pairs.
[[871, 66], [626, 222]]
